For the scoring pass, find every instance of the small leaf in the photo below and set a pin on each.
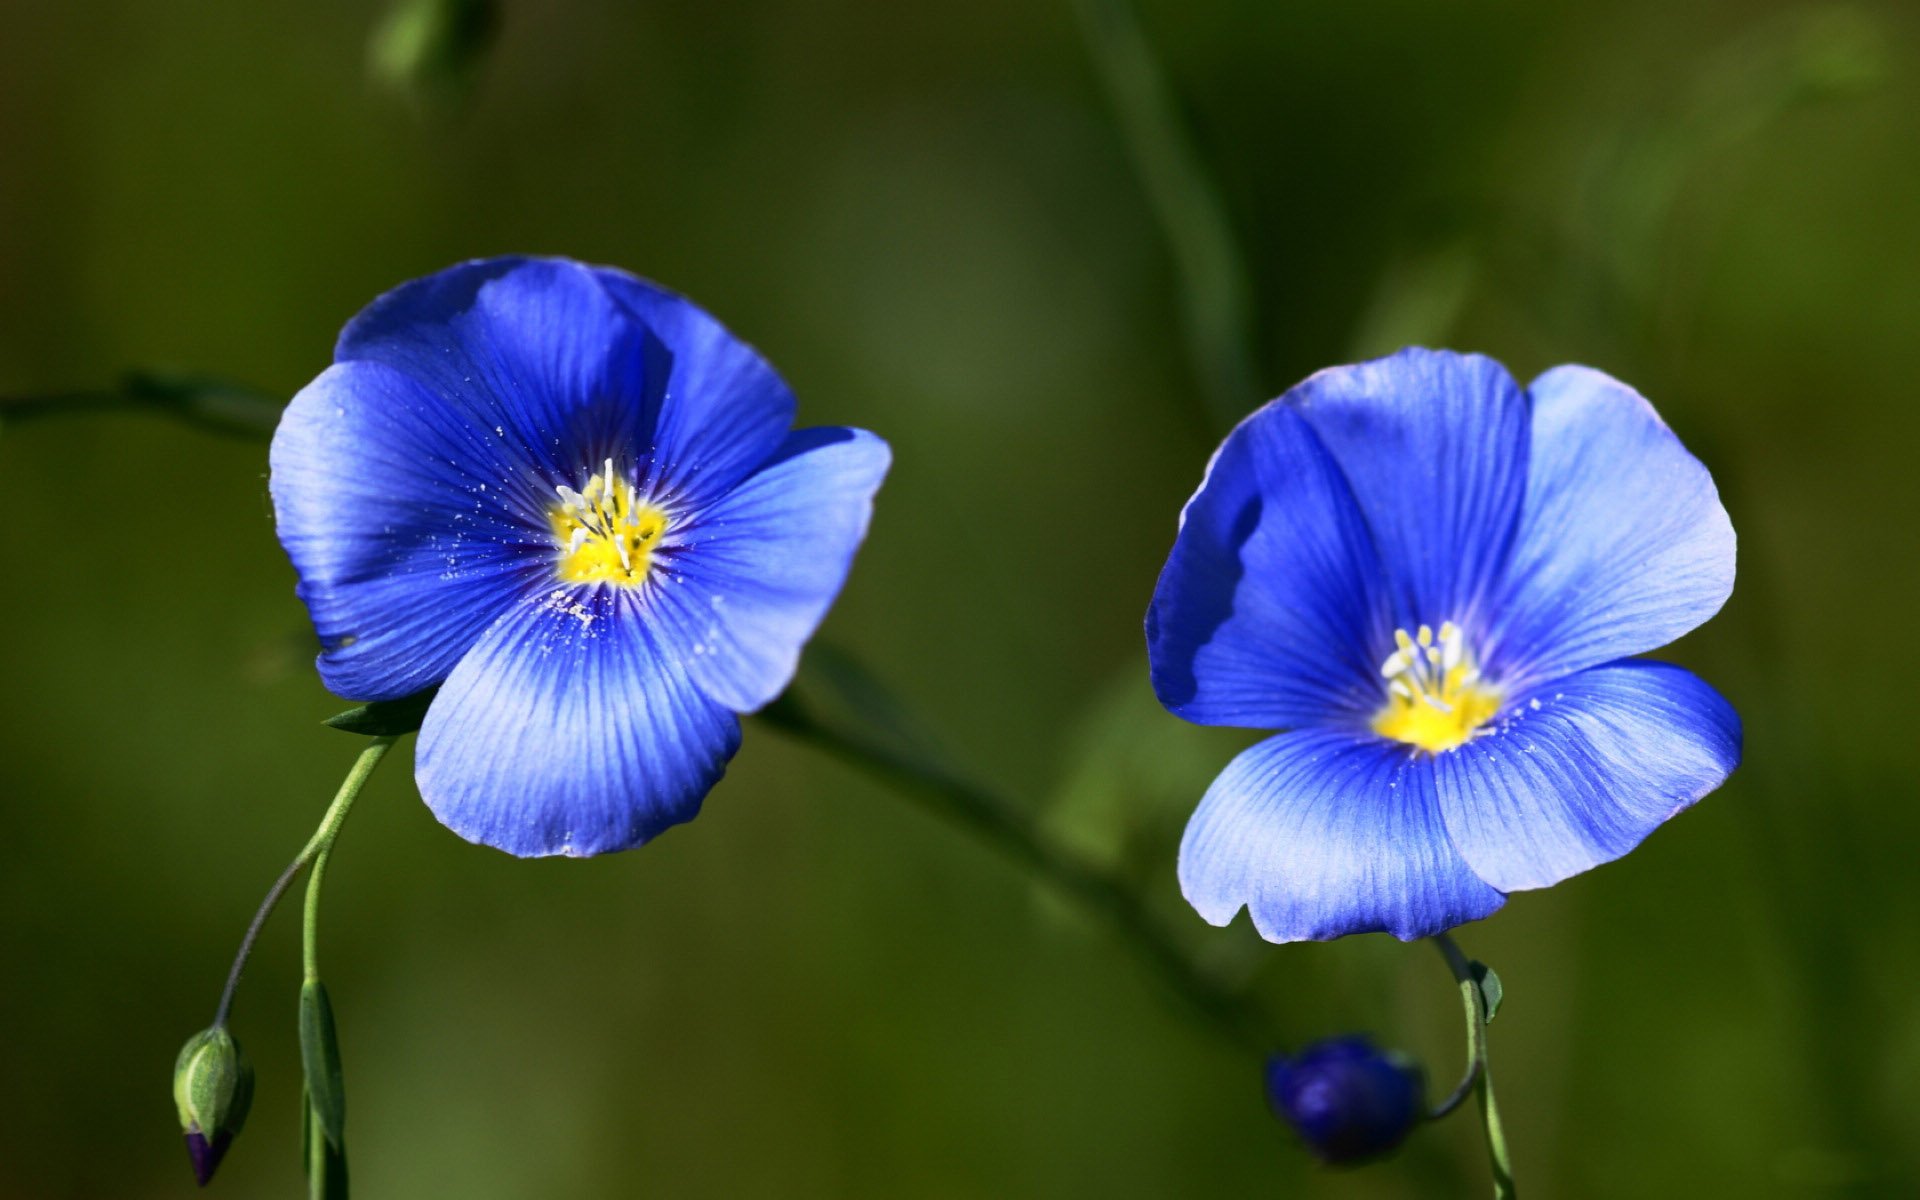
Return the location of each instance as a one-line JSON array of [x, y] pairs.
[[320, 1059], [324, 1162], [385, 718], [1490, 989]]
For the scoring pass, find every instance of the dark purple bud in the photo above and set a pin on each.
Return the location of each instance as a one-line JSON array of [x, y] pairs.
[[206, 1155], [1348, 1100], [212, 1088]]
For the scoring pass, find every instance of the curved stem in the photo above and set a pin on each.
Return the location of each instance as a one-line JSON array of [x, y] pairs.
[[321, 847], [1014, 834], [310, 925], [1479, 1078], [321, 840], [258, 923]]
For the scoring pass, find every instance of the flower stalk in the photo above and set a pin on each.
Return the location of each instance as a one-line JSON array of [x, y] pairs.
[[999, 823], [1478, 1080], [317, 846]]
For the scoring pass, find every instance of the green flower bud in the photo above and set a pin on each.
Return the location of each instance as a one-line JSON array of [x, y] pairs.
[[212, 1088], [432, 50]]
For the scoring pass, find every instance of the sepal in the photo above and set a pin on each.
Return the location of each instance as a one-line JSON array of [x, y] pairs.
[[212, 1090]]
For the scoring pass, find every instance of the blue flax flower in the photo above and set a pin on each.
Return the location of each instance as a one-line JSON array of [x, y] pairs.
[[575, 502], [1431, 580]]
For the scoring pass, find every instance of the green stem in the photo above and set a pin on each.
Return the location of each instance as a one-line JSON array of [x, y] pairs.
[[322, 838], [1215, 294], [996, 821], [320, 847], [203, 401], [1479, 1077]]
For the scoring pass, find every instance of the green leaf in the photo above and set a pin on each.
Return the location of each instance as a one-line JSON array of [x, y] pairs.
[[320, 1060], [323, 1161], [1490, 989], [385, 718]]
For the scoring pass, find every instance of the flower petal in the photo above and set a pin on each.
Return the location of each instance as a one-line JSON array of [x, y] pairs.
[[1321, 833], [400, 516], [571, 729], [533, 347], [1434, 445], [762, 566], [1579, 771], [1264, 616], [726, 411], [586, 362], [1623, 544]]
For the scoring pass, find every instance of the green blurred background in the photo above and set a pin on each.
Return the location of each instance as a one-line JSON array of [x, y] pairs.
[[931, 219]]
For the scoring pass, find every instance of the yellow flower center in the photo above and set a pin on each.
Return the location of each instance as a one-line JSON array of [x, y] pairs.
[[606, 532], [1436, 697]]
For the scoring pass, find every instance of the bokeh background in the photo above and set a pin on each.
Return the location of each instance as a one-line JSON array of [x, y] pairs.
[[935, 221]]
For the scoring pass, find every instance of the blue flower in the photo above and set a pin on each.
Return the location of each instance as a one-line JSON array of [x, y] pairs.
[[1349, 1101], [1432, 580], [573, 501]]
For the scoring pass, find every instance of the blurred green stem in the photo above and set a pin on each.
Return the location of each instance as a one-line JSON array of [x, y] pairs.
[[1008, 829], [1479, 1079], [1215, 295], [315, 852], [203, 401]]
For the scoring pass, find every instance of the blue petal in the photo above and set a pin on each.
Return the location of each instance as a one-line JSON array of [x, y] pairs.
[[761, 566], [580, 363], [726, 411], [1321, 833], [571, 729], [1266, 613], [407, 523], [1623, 544], [1435, 447], [533, 347], [1577, 772]]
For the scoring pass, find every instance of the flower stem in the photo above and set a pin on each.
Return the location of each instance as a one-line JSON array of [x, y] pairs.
[[1215, 293], [320, 847], [206, 402], [993, 819], [316, 847], [1478, 1078]]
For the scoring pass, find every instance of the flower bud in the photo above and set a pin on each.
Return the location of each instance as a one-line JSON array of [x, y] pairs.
[[1348, 1101], [432, 50], [212, 1088]]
